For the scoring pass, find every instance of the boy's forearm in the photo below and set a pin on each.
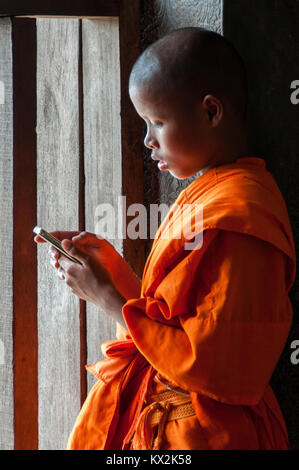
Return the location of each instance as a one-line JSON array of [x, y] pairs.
[[126, 280], [112, 304]]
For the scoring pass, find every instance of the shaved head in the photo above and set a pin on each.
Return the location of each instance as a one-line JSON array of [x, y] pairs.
[[193, 62]]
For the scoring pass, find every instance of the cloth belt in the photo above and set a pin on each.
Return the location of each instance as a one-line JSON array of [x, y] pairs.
[[166, 406]]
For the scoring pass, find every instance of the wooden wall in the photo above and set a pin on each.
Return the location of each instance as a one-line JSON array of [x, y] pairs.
[[64, 158]]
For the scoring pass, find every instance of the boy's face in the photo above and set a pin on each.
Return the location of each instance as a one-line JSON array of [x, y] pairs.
[[177, 131]]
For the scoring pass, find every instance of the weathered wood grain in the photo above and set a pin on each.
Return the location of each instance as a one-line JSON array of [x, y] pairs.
[[25, 341], [131, 128], [6, 218], [57, 178], [102, 149]]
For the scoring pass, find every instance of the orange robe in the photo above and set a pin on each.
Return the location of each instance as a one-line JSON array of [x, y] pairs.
[[212, 321]]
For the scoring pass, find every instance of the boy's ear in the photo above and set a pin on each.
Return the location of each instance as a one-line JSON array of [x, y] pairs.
[[213, 109]]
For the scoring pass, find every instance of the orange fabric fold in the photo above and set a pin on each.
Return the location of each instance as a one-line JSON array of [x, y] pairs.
[[97, 421], [212, 320]]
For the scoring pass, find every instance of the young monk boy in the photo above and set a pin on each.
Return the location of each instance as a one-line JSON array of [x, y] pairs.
[[199, 339]]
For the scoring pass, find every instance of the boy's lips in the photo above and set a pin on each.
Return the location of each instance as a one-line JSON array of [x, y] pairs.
[[155, 157], [162, 164]]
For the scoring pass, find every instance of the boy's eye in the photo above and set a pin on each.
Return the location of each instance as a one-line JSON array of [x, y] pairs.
[[158, 124]]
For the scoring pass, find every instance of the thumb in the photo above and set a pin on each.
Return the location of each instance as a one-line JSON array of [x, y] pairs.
[[90, 240], [68, 246]]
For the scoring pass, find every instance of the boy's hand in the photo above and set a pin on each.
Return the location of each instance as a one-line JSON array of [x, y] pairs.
[[103, 261], [91, 281]]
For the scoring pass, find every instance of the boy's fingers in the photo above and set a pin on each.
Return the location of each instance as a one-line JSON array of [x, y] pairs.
[[87, 238], [38, 239], [64, 235], [53, 252], [60, 274], [55, 264], [83, 237], [68, 246]]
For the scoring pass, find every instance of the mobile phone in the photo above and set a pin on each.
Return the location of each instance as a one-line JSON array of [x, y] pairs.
[[54, 242]]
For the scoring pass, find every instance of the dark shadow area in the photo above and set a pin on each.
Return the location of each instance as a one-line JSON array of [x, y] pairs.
[[266, 35]]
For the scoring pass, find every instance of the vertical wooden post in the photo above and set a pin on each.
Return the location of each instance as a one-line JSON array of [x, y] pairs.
[[57, 208], [24, 248], [131, 124], [81, 216], [102, 151], [6, 239]]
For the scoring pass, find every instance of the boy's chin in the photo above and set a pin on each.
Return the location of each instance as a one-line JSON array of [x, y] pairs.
[[183, 175]]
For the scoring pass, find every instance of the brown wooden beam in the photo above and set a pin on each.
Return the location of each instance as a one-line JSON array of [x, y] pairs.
[[131, 125], [25, 334], [79, 8]]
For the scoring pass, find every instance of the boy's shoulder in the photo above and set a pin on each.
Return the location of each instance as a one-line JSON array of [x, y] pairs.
[[247, 178], [243, 197], [237, 187]]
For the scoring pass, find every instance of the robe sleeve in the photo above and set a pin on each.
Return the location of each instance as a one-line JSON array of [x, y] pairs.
[[233, 317]]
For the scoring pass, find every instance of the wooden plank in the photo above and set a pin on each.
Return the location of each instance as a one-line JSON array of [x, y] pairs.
[[57, 179], [60, 8], [131, 128], [24, 249], [102, 148], [6, 217], [82, 315], [78, 17]]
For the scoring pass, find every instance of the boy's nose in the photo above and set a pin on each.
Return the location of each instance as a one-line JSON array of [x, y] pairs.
[[150, 142]]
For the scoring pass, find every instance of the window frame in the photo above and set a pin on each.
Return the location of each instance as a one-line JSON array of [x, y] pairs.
[[71, 8]]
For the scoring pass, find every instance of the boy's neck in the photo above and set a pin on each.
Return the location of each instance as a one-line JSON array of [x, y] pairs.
[[229, 151]]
